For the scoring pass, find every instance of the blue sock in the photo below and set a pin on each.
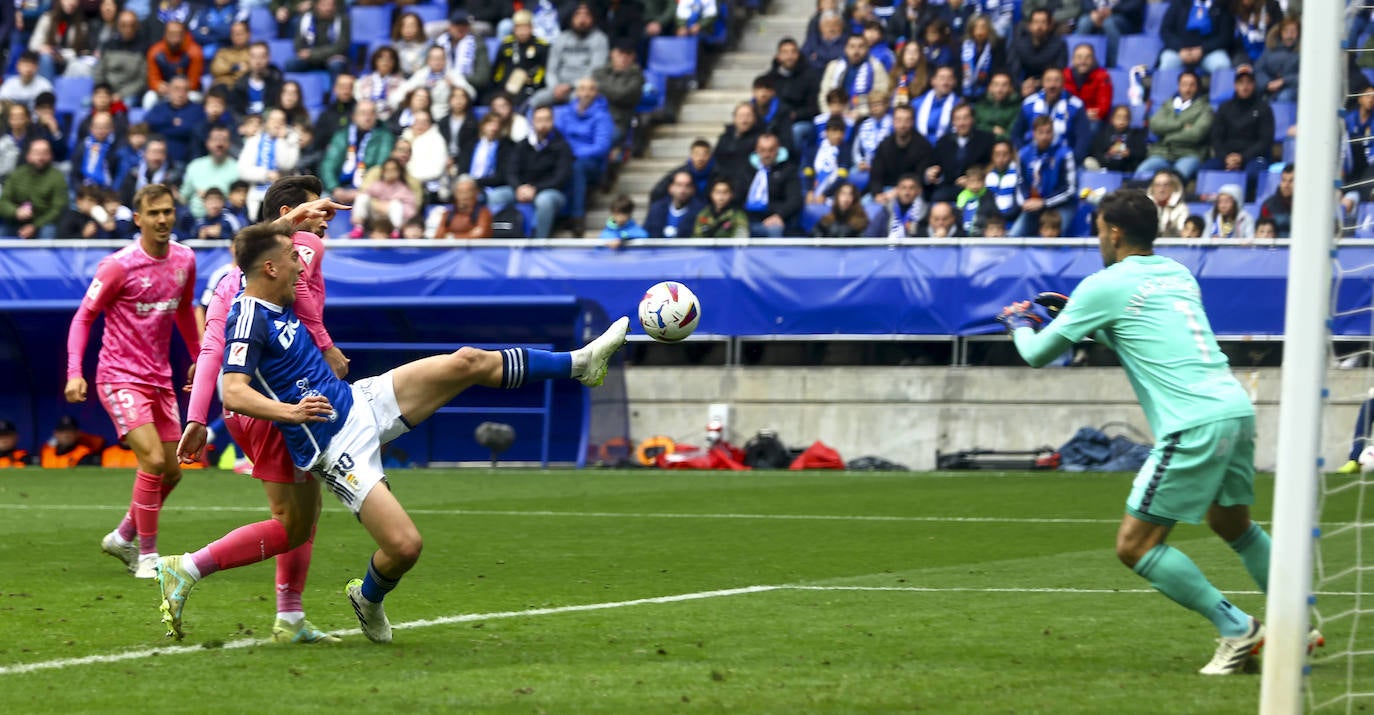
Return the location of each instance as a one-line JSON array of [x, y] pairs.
[[524, 365], [376, 586]]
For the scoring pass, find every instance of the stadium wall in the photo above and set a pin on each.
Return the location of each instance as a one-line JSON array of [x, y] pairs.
[[906, 413]]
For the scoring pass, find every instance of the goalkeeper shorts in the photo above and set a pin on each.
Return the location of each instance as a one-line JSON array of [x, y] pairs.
[[1190, 470]]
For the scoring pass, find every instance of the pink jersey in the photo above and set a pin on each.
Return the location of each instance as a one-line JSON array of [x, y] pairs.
[[142, 297], [309, 307]]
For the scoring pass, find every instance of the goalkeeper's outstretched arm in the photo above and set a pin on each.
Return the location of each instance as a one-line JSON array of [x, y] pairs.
[[1038, 349]]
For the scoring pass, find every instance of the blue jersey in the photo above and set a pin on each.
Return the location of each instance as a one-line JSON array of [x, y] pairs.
[[267, 343]]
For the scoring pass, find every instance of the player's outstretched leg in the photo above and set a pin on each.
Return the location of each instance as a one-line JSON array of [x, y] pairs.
[[425, 385], [399, 545]]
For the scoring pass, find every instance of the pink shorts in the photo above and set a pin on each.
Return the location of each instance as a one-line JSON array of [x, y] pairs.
[[132, 405], [263, 443]]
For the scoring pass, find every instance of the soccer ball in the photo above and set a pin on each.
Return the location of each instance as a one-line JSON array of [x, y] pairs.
[[1367, 460], [669, 312]]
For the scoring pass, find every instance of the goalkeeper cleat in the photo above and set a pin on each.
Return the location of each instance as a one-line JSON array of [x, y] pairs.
[[597, 353], [371, 616], [147, 566], [126, 551], [301, 631], [1234, 654], [1351, 467], [1315, 640], [176, 583]]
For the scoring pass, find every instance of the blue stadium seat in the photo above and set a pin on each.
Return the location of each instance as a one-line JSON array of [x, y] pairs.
[[73, 93], [1289, 150], [1138, 50], [340, 225], [1223, 86], [719, 34], [370, 22], [493, 47], [1154, 17], [429, 13], [1098, 42], [1368, 73], [811, 215], [261, 24], [282, 51], [655, 94], [314, 85], [1209, 181], [1285, 115], [1109, 180], [1139, 113], [1364, 225], [136, 114], [673, 56], [1121, 86], [1199, 208], [527, 211], [1164, 86], [1266, 186]]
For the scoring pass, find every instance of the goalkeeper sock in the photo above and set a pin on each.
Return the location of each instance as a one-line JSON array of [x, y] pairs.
[[1253, 547], [1175, 575], [521, 365]]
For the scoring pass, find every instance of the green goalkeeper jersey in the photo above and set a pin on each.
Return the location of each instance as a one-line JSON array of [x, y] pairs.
[[1149, 309]]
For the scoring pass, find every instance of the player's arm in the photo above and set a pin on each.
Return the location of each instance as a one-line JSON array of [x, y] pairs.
[[1089, 310], [245, 340], [194, 436], [108, 281], [309, 307], [187, 324]]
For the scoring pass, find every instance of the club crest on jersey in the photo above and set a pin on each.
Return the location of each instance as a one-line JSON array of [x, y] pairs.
[[180, 276], [146, 281], [306, 253], [288, 332]]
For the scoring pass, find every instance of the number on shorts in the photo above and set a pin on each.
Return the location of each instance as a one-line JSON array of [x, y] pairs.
[[126, 399]]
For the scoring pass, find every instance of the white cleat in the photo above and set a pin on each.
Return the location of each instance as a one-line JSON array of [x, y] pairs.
[[1233, 654], [371, 616], [147, 566], [1315, 640], [127, 551], [598, 353]]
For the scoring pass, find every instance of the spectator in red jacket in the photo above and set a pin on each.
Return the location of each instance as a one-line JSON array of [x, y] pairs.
[[1085, 79], [176, 55]]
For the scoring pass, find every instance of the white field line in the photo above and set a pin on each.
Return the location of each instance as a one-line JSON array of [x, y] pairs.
[[637, 515], [62, 663]]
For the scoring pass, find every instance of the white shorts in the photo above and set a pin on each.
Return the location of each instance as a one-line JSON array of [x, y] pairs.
[[352, 464]]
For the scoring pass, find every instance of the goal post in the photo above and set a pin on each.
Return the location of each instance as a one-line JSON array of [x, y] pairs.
[[1306, 340]]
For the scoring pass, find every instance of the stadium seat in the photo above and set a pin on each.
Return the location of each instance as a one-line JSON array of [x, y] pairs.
[[1138, 50], [720, 34], [493, 47], [655, 94], [1139, 114], [1121, 86], [73, 93], [527, 212], [1199, 208], [1289, 150], [340, 225], [673, 56], [370, 22], [1266, 186], [1098, 42], [261, 24], [1223, 86], [1285, 115], [811, 215], [282, 51], [1368, 73], [1210, 181], [136, 115], [1109, 180], [1364, 226], [1163, 86], [314, 85], [1154, 17]]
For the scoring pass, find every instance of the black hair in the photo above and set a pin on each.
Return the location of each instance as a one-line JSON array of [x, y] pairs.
[[1132, 211], [254, 242], [291, 191]]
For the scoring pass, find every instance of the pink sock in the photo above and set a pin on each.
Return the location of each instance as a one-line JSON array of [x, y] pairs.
[[245, 545], [292, 568], [126, 528], [167, 489], [146, 502]]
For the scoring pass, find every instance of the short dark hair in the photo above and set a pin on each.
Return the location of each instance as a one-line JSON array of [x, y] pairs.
[[623, 204], [90, 191], [238, 185], [835, 124], [290, 191], [1266, 221], [1132, 211], [836, 95], [28, 56], [786, 41], [252, 243], [1049, 17], [904, 108], [1042, 120], [910, 177], [765, 81], [213, 191], [103, 87], [1197, 222], [699, 142], [152, 192]]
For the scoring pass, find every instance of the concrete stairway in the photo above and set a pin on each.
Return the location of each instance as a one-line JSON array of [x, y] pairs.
[[707, 110]]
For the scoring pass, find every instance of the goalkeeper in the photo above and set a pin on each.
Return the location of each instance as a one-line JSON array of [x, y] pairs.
[[1149, 310]]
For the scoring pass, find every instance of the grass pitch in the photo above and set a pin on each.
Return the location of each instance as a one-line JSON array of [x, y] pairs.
[[631, 592]]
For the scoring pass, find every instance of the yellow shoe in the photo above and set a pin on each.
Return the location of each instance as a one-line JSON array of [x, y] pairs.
[[302, 631], [175, 583], [1351, 467]]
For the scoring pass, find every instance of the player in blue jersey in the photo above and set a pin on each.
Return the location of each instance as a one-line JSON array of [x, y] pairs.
[[1148, 308], [273, 371]]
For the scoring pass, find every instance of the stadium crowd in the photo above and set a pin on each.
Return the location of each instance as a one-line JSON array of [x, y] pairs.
[[485, 118]]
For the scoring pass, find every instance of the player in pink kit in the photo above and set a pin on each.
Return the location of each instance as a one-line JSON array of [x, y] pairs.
[[142, 289], [293, 495]]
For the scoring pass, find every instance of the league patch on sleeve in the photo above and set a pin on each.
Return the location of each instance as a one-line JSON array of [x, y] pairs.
[[238, 354], [94, 291]]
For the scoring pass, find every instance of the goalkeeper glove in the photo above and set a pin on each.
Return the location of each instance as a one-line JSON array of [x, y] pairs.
[[1020, 315], [1052, 301]]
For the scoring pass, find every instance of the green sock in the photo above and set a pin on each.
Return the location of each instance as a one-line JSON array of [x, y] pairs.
[[1253, 547], [1176, 576]]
